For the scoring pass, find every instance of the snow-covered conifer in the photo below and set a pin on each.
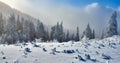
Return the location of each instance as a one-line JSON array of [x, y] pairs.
[[112, 27]]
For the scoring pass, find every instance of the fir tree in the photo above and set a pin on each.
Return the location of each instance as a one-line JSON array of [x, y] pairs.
[[67, 36], [1, 24], [93, 34], [40, 31], [77, 35], [112, 27], [87, 32]]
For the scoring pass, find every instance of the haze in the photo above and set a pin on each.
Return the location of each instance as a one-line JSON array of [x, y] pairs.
[[72, 13]]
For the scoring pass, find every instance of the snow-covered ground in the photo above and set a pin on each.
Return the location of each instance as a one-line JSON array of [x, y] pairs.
[[86, 51]]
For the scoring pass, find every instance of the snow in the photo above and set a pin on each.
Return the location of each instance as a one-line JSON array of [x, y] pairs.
[[85, 51]]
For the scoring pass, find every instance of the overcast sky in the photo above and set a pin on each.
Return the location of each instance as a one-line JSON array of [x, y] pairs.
[[73, 13]]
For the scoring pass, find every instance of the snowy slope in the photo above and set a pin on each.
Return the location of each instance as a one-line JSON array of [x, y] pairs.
[[4, 7], [7, 11], [87, 51]]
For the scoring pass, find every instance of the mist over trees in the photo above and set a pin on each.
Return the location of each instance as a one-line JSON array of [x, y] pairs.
[[18, 29]]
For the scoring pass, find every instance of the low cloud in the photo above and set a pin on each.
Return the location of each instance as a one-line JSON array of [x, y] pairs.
[[50, 13]]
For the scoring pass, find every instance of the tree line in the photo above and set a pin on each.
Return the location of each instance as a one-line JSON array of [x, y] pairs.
[[18, 29]]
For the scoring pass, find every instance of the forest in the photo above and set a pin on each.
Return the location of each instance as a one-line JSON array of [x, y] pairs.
[[17, 29]]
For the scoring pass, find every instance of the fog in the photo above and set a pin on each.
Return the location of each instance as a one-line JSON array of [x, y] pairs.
[[72, 16]]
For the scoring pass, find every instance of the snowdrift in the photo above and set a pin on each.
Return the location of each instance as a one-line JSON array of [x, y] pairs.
[[85, 51]]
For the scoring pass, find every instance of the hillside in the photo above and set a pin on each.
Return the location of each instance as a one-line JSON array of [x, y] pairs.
[[15, 25], [7, 11]]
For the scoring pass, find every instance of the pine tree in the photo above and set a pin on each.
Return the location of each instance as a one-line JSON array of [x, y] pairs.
[[72, 37], [67, 36], [19, 28], [26, 31], [1, 24], [93, 35], [47, 36], [64, 38], [112, 27], [87, 32], [55, 31], [61, 33], [40, 31], [77, 35], [19, 25], [32, 31], [12, 35], [52, 33]]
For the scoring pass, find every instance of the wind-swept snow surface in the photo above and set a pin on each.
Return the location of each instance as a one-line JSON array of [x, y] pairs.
[[86, 51]]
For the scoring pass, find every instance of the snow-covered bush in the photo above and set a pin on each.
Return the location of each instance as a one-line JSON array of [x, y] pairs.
[[28, 50], [68, 51], [44, 50], [81, 58], [88, 57], [106, 57], [36, 45]]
